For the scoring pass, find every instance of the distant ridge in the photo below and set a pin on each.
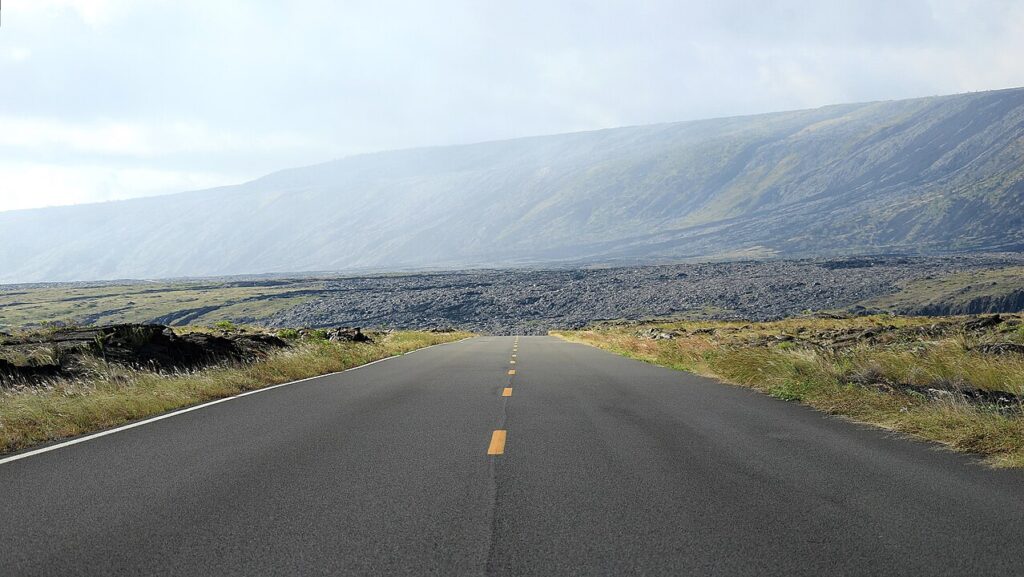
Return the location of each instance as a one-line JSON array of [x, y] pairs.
[[925, 175]]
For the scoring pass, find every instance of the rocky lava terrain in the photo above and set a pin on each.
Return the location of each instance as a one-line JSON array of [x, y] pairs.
[[534, 301]]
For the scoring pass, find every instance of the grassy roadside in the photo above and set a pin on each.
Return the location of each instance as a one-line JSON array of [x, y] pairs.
[[115, 395], [908, 375]]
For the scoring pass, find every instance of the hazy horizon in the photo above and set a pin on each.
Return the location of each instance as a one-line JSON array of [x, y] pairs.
[[165, 97], [453, 144]]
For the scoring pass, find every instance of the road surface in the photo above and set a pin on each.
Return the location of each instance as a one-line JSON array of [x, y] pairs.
[[441, 462]]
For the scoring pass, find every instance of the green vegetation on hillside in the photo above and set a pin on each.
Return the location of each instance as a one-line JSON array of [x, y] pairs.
[[946, 380], [170, 303], [963, 293]]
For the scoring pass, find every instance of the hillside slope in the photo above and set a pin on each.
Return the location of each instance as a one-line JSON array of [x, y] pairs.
[[923, 175]]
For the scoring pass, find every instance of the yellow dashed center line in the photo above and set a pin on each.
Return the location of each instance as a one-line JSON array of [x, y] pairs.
[[497, 446], [497, 443]]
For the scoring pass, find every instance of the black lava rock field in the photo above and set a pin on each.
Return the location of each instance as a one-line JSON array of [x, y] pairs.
[[518, 301]]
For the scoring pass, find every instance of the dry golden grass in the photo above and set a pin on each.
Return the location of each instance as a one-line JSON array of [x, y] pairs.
[[114, 395], [869, 383]]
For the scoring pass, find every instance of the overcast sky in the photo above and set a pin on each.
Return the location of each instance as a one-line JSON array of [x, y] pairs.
[[106, 99]]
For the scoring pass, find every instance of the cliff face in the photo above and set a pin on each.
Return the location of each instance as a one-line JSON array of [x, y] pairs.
[[916, 176], [1006, 303]]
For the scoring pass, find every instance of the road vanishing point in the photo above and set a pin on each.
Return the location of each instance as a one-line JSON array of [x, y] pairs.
[[456, 461]]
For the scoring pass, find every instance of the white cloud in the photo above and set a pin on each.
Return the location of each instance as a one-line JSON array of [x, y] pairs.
[[217, 87], [17, 54], [91, 12], [137, 139], [29, 184]]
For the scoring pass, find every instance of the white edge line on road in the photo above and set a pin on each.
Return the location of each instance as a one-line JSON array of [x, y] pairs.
[[177, 412]]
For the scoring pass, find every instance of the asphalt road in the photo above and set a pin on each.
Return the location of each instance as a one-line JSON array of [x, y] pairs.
[[607, 467]]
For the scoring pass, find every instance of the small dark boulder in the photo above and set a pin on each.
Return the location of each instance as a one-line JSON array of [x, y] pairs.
[[347, 335], [869, 333], [1001, 348], [256, 345], [654, 333], [982, 323]]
